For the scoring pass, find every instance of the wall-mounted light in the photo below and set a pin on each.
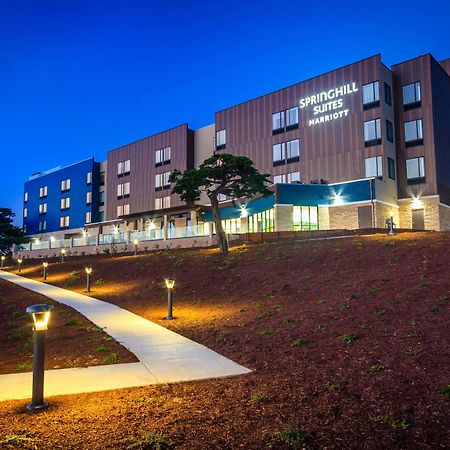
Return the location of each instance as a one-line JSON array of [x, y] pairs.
[[52, 239], [116, 230], [41, 317], [244, 212], [416, 203]]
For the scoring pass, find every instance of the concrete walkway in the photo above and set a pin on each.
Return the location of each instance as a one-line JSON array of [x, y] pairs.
[[164, 356]]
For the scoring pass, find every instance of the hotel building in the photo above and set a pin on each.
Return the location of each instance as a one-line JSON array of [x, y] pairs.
[[347, 149]]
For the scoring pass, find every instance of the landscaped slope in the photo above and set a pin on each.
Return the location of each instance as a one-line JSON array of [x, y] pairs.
[[348, 340]]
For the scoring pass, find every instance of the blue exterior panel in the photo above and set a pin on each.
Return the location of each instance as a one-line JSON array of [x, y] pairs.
[[77, 173]]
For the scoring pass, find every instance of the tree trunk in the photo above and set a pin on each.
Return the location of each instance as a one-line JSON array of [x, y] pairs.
[[221, 236]]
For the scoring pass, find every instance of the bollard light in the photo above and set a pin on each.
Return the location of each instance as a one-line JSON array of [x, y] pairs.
[[170, 283], [135, 242], [19, 262], [63, 252], [41, 316], [3, 260], [45, 265], [88, 278]]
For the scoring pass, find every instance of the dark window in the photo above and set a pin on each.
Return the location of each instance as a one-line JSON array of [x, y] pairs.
[[411, 95], [413, 132], [292, 118], [101, 198], [415, 170], [389, 131], [102, 178], [391, 168], [372, 132], [387, 94], [101, 216], [371, 95]]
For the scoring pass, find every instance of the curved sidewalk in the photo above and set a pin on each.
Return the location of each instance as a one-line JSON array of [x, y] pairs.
[[164, 356]]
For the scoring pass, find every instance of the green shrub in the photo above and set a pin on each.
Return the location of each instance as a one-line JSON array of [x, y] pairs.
[[298, 342], [377, 368], [330, 386], [291, 437], [258, 398], [348, 338], [25, 367], [112, 358], [391, 421]]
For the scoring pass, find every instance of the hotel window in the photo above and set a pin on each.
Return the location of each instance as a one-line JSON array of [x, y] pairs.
[[43, 192], [292, 118], [389, 131], [391, 168], [101, 198], [123, 190], [278, 122], [279, 154], [43, 208], [293, 151], [64, 222], [372, 132], [25, 212], [305, 218], [387, 94], [162, 203], [65, 203], [162, 156], [413, 132], [221, 139], [88, 198], [222, 198], [292, 177], [42, 225], [25, 197], [123, 210], [89, 178], [411, 95], [123, 168], [65, 185], [24, 228], [415, 170], [374, 166], [102, 179], [371, 95], [88, 217], [162, 181], [101, 216], [261, 222]]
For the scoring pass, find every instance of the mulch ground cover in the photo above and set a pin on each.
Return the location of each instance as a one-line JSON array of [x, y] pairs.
[[348, 340], [72, 341]]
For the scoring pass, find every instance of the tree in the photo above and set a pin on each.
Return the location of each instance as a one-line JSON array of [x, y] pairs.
[[234, 176], [9, 233]]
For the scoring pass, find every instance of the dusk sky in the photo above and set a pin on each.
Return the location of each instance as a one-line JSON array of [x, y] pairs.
[[79, 78]]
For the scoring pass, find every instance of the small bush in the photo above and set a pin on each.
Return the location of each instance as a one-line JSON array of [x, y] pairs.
[[112, 358], [99, 281], [102, 348], [366, 326], [149, 441], [377, 368], [330, 386], [348, 338], [292, 437], [445, 392], [319, 328], [14, 440], [25, 367], [391, 421], [73, 322], [298, 342], [258, 398], [266, 332], [106, 251]]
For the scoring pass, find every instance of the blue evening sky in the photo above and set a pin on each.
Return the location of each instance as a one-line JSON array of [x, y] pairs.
[[78, 78]]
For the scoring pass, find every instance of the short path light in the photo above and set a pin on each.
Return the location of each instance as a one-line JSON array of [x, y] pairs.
[[3, 260], [88, 278], [45, 265], [135, 242], [63, 252], [41, 315], [19, 262], [170, 283]]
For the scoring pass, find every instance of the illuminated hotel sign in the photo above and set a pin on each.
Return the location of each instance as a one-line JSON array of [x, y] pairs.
[[328, 105]]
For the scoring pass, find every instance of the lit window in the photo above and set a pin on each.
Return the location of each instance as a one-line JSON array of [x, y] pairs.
[[25, 197], [415, 168], [25, 213], [279, 154], [162, 203], [371, 95], [123, 190], [88, 198], [278, 121], [162, 181], [293, 177], [279, 179], [411, 94], [413, 132], [42, 208], [374, 166], [372, 132], [123, 210], [162, 156], [89, 178], [65, 203], [43, 192], [88, 217], [64, 222], [221, 139], [123, 168], [65, 185]]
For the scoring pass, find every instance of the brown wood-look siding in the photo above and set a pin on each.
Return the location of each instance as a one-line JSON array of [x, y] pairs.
[[332, 151], [418, 69], [142, 172]]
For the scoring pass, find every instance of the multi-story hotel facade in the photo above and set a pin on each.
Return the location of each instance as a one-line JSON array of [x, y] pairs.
[[347, 149]]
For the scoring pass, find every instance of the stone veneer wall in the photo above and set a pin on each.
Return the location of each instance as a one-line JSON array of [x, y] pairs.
[[444, 218], [284, 217], [324, 217], [383, 212], [343, 217], [431, 213]]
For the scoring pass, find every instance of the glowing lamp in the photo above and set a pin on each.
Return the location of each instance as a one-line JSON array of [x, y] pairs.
[[88, 278], [3, 257], [41, 316], [416, 203], [63, 251], [135, 242], [88, 270], [244, 212], [45, 264], [337, 199], [170, 282], [20, 261], [2, 260]]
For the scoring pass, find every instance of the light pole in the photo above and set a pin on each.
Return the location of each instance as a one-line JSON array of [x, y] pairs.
[[170, 283], [41, 315], [3, 261], [45, 265], [88, 278], [19, 262], [135, 242], [63, 252]]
